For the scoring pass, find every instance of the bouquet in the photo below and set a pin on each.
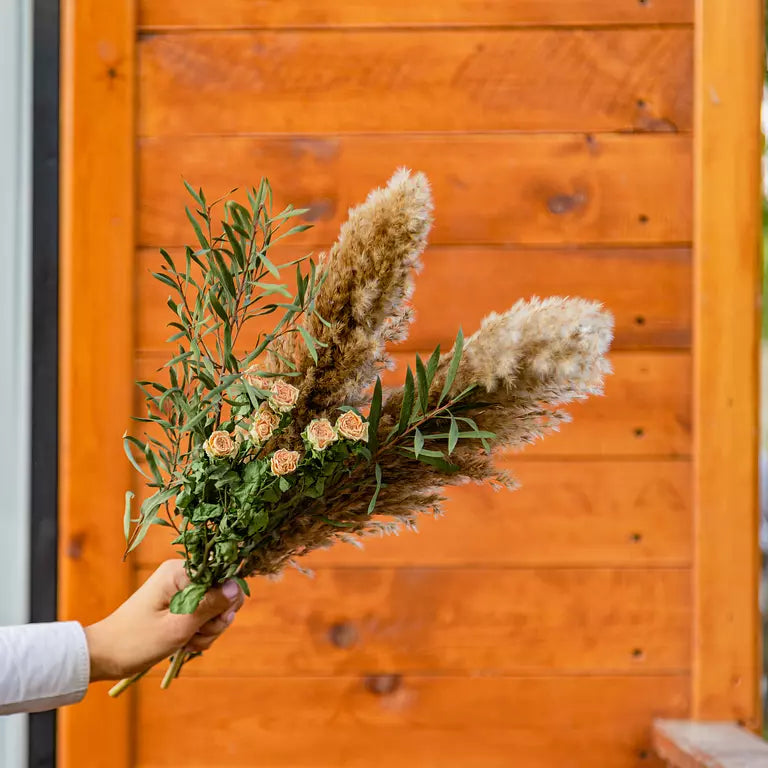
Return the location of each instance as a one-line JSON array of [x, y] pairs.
[[255, 457]]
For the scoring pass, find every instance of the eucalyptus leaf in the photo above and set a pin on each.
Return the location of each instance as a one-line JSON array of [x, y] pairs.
[[432, 364], [127, 440], [453, 368], [423, 385], [418, 442], [453, 436], [407, 405], [372, 504], [309, 341], [198, 231]]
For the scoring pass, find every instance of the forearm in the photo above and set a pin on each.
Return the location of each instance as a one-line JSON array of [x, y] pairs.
[[42, 666]]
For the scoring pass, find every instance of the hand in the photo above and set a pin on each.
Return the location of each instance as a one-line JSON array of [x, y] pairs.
[[143, 631]]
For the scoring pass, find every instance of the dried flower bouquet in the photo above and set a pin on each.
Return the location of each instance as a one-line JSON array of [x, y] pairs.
[[264, 455]]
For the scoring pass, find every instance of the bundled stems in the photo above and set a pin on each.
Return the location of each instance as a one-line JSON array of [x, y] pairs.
[[126, 683], [177, 662], [175, 667]]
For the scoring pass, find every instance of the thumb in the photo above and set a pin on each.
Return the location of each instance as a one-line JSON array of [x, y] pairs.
[[216, 601]]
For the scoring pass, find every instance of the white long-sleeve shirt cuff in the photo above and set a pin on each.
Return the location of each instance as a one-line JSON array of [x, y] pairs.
[[42, 666]]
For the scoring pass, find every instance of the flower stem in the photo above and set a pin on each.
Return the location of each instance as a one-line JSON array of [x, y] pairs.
[[173, 671], [126, 683]]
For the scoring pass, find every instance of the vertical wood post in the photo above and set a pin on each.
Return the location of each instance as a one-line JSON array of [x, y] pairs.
[[727, 277], [96, 328]]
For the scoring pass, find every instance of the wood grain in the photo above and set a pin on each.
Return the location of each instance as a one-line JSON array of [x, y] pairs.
[[569, 513], [647, 290], [529, 189], [445, 621], [96, 351], [229, 14], [374, 81], [483, 722], [727, 286]]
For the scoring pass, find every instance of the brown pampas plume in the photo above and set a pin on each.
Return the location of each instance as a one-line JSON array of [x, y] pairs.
[[363, 302]]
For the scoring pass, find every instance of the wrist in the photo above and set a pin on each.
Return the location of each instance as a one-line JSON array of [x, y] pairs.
[[103, 666]]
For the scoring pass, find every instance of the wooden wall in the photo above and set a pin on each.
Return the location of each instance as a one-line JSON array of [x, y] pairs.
[[521, 628], [537, 629]]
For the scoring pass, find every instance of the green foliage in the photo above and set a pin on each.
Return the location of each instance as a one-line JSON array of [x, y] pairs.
[[188, 599]]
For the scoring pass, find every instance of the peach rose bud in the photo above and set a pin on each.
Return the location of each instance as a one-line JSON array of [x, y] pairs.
[[264, 426], [351, 426], [320, 433], [256, 381], [284, 462], [284, 396], [220, 445]]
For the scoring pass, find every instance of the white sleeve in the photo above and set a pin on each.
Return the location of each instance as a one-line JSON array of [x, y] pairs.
[[42, 666]]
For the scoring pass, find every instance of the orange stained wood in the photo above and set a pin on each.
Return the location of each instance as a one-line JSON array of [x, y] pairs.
[[377, 721], [96, 272], [506, 188], [229, 14], [479, 621], [315, 82], [567, 513], [469, 282], [727, 283], [546, 627]]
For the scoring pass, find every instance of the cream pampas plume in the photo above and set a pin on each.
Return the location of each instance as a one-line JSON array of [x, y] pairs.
[[525, 364]]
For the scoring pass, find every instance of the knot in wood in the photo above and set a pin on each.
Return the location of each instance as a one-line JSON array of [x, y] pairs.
[[382, 685], [343, 635]]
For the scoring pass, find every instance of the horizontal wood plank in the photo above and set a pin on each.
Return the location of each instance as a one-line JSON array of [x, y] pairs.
[[570, 513], [442, 621], [268, 14], [646, 410], [334, 81], [378, 722], [492, 189], [647, 290]]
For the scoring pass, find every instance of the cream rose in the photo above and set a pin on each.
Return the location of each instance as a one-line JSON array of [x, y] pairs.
[[220, 445], [284, 462], [351, 426], [259, 382], [264, 425], [284, 396], [320, 434]]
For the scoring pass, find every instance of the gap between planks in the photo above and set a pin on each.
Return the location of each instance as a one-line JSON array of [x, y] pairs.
[[148, 31]]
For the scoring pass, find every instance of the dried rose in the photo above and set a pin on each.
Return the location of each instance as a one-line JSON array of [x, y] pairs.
[[259, 382], [264, 425], [284, 396], [284, 462], [220, 445], [351, 426], [320, 433]]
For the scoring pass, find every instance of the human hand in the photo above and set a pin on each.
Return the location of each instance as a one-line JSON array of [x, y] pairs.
[[143, 631]]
